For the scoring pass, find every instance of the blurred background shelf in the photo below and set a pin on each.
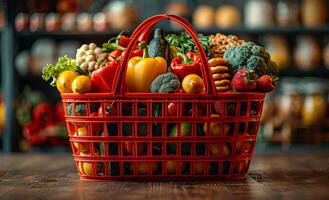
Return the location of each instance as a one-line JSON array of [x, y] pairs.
[[208, 31], [288, 34], [293, 71], [268, 30]]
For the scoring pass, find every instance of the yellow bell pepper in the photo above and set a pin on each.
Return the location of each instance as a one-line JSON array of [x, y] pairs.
[[142, 71]]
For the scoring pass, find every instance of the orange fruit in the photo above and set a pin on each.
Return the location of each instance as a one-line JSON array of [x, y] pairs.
[[81, 84], [64, 81]]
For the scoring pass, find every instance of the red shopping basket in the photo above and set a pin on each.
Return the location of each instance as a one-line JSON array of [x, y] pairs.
[[201, 136]]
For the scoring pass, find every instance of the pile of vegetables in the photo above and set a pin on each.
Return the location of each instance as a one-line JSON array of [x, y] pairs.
[[165, 64]]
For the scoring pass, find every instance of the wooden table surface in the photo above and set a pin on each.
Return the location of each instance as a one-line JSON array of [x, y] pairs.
[[272, 176]]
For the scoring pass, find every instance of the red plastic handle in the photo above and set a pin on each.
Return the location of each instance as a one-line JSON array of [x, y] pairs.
[[150, 23]]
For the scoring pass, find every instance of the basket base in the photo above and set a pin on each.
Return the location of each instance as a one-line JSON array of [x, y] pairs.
[[167, 178]]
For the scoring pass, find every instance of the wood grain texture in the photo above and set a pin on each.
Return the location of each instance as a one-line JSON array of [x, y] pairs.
[[272, 176]]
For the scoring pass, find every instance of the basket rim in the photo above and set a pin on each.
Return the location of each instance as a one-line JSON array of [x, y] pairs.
[[164, 96]]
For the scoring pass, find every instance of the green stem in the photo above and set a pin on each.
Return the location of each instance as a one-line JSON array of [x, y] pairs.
[[185, 59], [145, 52], [142, 45]]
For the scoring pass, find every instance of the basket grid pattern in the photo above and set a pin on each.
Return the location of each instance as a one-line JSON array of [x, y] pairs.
[[144, 126]]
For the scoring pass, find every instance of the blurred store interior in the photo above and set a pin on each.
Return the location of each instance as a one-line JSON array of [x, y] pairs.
[[36, 32]]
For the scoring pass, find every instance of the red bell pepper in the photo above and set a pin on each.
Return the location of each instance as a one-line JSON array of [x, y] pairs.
[[43, 114], [137, 52], [123, 40], [183, 65], [115, 54], [31, 134], [102, 79]]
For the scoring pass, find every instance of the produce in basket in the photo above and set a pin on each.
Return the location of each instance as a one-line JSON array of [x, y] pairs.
[[220, 71], [142, 168], [87, 56], [81, 84], [220, 43], [255, 61], [102, 77], [200, 167], [218, 149], [83, 147], [86, 168], [182, 129], [172, 167], [185, 64], [217, 128], [243, 80], [165, 83], [184, 43], [142, 71], [159, 47], [193, 83]]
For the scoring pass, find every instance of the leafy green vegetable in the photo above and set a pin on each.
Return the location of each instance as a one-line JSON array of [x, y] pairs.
[[51, 72], [185, 43], [80, 109]]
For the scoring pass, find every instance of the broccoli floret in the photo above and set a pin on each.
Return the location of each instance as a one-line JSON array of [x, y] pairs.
[[255, 62], [252, 56], [165, 83]]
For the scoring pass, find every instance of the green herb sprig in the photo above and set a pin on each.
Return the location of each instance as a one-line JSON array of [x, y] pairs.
[[51, 72], [184, 42]]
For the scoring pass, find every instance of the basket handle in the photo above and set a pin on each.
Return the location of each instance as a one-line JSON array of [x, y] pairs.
[[148, 24]]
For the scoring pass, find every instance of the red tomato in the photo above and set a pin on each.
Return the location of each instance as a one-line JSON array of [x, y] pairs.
[[172, 109]]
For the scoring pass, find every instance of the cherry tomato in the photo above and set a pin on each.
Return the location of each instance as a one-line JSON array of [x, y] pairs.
[[172, 109]]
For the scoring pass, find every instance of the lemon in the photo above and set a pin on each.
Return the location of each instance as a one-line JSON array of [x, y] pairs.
[[83, 147], [64, 81], [81, 84]]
